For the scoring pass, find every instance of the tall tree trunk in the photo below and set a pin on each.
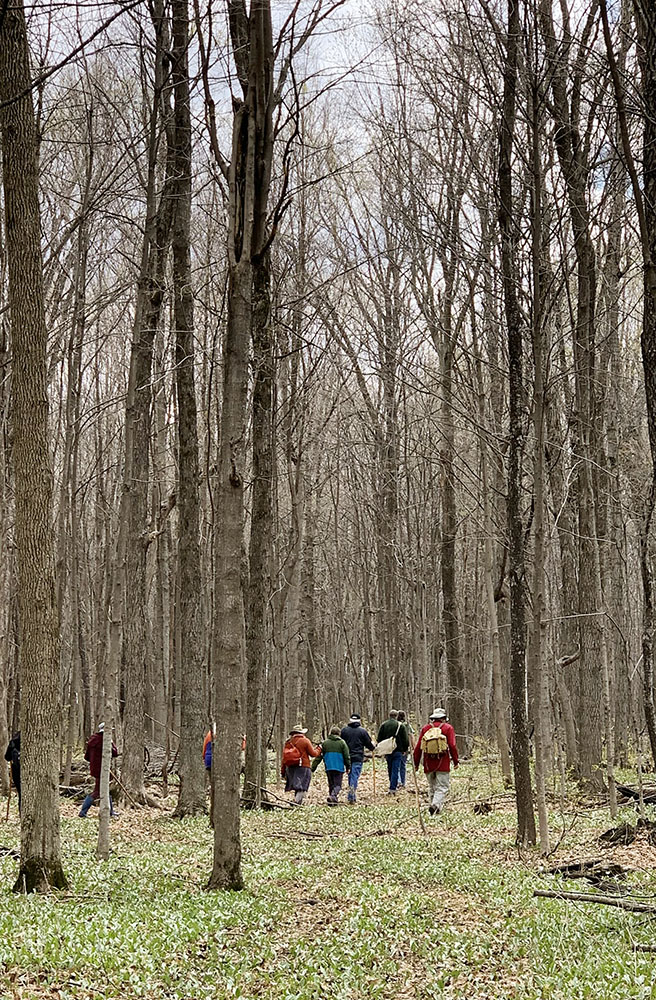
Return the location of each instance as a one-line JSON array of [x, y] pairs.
[[249, 182], [259, 552], [7, 562], [150, 294], [539, 678], [191, 798], [520, 745], [646, 23], [571, 151], [40, 865]]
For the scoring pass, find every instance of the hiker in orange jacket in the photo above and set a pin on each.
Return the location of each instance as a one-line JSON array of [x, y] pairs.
[[296, 763]]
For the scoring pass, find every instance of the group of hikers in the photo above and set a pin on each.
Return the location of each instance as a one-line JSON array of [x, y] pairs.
[[343, 753]]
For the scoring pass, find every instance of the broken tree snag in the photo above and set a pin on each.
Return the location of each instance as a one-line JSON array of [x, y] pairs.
[[590, 897]]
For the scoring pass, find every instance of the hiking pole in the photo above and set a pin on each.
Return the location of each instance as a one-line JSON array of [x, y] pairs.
[[416, 783], [122, 787], [373, 766]]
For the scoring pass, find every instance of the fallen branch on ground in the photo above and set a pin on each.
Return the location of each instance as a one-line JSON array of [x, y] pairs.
[[265, 804], [589, 897], [648, 793]]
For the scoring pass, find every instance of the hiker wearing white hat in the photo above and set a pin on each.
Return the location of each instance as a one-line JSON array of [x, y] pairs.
[[437, 743]]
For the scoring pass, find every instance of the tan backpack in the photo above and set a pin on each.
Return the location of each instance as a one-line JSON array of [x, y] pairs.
[[433, 742]]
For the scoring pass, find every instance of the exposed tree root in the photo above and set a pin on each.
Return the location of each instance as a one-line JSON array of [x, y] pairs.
[[36, 875]]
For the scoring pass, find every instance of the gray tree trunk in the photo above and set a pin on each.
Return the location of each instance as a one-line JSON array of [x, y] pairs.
[[520, 746], [191, 797], [249, 182], [40, 864]]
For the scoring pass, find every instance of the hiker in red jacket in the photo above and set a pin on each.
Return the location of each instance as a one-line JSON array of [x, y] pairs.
[[437, 765], [93, 754], [296, 763]]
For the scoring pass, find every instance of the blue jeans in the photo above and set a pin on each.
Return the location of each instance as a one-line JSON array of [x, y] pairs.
[[88, 802], [354, 777], [393, 768], [404, 758]]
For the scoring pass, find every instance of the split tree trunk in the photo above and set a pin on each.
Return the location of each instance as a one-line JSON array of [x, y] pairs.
[[249, 182]]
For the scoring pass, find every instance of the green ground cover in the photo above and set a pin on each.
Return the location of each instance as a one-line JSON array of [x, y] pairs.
[[340, 904]]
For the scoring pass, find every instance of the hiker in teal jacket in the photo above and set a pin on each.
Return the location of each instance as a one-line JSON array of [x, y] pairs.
[[337, 759]]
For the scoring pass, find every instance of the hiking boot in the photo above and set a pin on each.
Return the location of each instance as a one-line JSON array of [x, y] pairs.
[[432, 810]]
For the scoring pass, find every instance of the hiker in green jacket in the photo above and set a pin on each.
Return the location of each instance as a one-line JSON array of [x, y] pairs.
[[337, 759]]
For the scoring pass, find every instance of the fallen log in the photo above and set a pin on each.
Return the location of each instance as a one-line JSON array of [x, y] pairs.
[[648, 793], [595, 871], [574, 868], [266, 804], [590, 897], [72, 791], [625, 834]]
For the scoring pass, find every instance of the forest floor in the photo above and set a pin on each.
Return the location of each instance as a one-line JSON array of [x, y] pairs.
[[340, 904]]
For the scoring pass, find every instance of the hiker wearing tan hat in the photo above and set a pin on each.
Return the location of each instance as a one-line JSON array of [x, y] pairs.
[[295, 769], [437, 744]]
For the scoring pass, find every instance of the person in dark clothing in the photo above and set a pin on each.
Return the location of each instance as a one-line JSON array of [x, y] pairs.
[[357, 740], [12, 754], [401, 717], [392, 727], [93, 754]]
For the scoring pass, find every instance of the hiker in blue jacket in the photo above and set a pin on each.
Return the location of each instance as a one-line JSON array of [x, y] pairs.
[[357, 740], [337, 758]]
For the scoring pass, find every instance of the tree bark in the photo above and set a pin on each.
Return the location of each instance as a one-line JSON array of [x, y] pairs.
[[520, 743], [40, 865], [249, 182], [571, 151], [646, 22], [537, 661], [259, 552], [150, 294], [191, 799]]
